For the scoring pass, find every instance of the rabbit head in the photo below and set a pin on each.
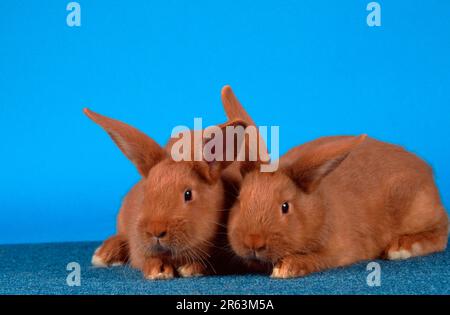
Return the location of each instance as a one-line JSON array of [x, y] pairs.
[[182, 201]]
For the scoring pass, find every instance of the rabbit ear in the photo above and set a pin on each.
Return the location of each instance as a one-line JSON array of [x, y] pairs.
[[223, 153], [233, 108], [313, 165], [137, 146], [235, 111], [247, 167]]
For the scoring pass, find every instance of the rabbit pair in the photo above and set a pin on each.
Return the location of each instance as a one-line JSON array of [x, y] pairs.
[[332, 202], [336, 201], [173, 221]]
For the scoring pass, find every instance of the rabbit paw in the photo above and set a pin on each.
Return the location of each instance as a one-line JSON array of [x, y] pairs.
[[290, 268], [191, 270], [113, 252], [156, 269]]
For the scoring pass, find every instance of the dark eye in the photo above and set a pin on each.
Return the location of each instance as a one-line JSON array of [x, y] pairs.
[[188, 195], [285, 207]]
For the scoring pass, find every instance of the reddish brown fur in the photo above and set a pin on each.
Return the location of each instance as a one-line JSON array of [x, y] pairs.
[[350, 199], [235, 111], [195, 231], [156, 205]]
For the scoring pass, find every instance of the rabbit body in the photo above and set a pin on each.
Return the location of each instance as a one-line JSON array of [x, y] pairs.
[[373, 200]]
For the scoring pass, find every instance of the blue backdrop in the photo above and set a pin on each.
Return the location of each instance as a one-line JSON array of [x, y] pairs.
[[312, 67]]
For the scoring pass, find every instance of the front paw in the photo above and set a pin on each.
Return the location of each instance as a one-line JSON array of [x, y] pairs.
[[290, 268], [191, 270], [157, 269], [113, 252]]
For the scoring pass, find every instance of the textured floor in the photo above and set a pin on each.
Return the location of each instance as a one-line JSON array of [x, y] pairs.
[[41, 269]]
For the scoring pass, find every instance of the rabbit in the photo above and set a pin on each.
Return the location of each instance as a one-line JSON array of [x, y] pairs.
[[336, 201], [175, 215]]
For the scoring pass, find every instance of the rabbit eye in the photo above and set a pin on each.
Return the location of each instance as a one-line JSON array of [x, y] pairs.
[[285, 207], [188, 195]]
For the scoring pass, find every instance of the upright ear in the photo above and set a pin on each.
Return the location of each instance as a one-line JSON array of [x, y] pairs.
[[235, 111], [314, 164], [138, 147], [233, 108], [221, 147]]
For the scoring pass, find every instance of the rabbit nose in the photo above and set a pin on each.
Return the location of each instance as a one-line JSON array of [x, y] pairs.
[[254, 242], [157, 229], [161, 234]]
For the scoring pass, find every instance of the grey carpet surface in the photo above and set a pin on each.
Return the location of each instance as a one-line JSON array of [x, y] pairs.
[[41, 269]]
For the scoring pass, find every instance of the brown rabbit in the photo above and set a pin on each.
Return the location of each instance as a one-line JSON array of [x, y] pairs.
[[154, 212], [335, 201]]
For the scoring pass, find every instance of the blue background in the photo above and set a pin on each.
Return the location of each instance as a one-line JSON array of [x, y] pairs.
[[312, 67]]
